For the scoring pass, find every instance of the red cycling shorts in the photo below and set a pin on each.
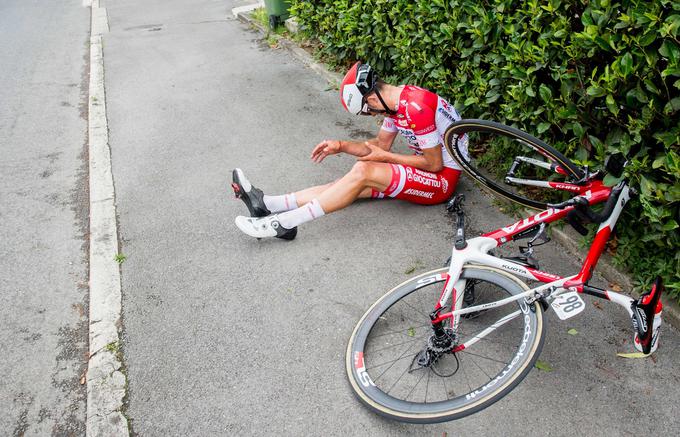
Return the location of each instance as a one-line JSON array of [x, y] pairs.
[[418, 186]]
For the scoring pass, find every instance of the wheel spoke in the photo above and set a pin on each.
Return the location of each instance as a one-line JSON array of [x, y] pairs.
[[398, 379], [427, 384], [373, 352], [467, 378], [446, 390], [414, 387], [401, 331], [395, 332], [417, 310], [495, 341], [394, 362], [481, 356], [479, 367]]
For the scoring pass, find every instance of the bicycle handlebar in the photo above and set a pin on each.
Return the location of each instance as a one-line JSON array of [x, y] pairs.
[[582, 210]]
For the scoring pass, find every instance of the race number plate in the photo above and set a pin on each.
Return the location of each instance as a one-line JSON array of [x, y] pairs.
[[567, 305]]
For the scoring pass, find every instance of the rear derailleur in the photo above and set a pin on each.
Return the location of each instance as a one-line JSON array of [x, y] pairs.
[[442, 341]]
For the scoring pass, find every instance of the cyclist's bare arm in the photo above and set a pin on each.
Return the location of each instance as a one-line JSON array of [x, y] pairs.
[[384, 140], [430, 160], [332, 147], [325, 148]]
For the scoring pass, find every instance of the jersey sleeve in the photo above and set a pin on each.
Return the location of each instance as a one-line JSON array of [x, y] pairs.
[[388, 125], [424, 126]]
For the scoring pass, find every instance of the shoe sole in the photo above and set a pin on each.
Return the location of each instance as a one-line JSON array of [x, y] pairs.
[[240, 192], [289, 235]]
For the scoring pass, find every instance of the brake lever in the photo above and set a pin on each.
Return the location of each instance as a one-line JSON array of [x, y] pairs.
[[574, 201]]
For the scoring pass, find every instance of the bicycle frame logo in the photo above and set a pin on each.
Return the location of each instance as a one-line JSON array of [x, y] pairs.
[[365, 379], [523, 224], [513, 363]]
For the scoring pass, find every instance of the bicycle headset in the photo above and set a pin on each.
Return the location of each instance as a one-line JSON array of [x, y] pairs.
[[359, 82]]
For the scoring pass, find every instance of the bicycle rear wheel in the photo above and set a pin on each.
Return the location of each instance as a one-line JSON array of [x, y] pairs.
[[510, 162], [494, 349]]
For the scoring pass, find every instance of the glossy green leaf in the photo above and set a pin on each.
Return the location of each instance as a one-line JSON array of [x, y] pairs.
[[670, 225], [626, 64], [611, 180], [596, 91], [577, 129], [658, 162], [670, 50], [545, 93], [612, 105]]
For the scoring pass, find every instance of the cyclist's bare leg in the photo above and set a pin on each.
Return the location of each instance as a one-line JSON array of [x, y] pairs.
[[308, 194], [358, 182]]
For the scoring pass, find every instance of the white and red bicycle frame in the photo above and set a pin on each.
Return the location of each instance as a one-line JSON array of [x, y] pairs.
[[477, 252]]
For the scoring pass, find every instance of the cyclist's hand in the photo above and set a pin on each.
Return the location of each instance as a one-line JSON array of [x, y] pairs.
[[376, 154], [325, 148]]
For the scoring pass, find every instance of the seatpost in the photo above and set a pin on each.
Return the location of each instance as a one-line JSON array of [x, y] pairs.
[[455, 205]]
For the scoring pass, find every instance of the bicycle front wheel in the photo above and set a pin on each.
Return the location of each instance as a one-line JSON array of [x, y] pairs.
[[492, 350], [510, 162]]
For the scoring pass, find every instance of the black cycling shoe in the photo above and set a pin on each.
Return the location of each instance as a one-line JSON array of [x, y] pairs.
[[251, 196]]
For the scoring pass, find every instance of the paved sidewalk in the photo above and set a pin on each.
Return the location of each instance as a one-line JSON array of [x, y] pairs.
[[224, 334]]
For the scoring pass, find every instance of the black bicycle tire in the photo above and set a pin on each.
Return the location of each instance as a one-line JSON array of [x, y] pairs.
[[458, 128], [391, 298]]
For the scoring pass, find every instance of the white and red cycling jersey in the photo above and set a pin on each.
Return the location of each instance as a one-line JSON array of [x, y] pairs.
[[422, 119]]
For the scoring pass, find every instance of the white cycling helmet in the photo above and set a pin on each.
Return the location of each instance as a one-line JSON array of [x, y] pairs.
[[359, 82]]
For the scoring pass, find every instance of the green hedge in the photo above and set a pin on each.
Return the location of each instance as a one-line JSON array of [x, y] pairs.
[[591, 78]]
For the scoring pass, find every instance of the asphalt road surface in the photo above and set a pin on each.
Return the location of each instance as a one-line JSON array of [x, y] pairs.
[[43, 216], [224, 334], [227, 334]]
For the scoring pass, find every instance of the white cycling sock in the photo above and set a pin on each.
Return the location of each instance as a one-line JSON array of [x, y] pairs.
[[281, 203], [303, 214]]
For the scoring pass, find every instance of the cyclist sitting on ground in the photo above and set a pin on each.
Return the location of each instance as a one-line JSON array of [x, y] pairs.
[[428, 177]]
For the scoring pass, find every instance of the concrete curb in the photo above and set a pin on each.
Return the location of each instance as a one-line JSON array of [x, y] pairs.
[[565, 237], [247, 8], [106, 383]]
